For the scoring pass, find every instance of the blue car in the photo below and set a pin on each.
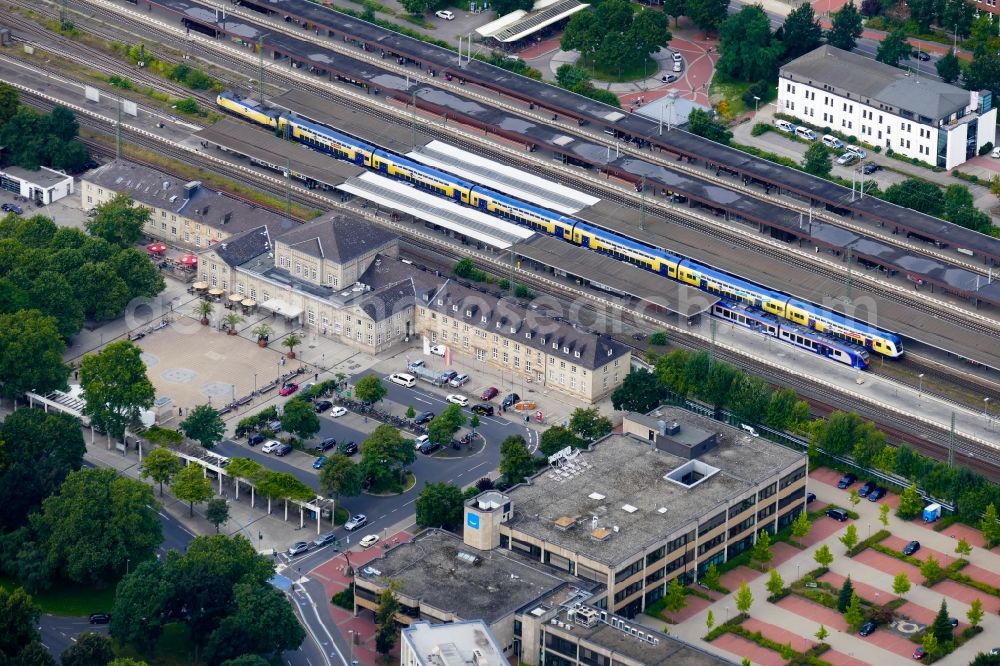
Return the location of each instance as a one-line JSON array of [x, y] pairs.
[[319, 462]]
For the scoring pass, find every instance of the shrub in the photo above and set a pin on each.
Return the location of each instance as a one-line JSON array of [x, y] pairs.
[[759, 89], [987, 147], [658, 338], [344, 598], [867, 543], [760, 128]]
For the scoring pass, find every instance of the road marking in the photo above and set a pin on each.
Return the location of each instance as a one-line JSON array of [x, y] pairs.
[[477, 466], [410, 502], [325, 630], [422, 400]]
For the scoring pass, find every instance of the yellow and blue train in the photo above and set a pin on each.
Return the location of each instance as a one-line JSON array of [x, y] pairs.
[[858, 336]]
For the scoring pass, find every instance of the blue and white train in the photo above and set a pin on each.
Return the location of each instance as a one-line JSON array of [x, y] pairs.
[[853, 336]]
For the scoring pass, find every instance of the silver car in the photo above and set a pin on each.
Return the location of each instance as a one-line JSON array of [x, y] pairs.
[[270, 446], [355, 522], [459, 380], [298, 548]]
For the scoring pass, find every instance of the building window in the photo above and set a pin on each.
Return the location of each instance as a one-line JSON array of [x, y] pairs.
[[480, 355], [793, 477]]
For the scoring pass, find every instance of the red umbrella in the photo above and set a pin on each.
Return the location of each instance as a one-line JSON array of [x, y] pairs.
[[188, 260], [156, 248]]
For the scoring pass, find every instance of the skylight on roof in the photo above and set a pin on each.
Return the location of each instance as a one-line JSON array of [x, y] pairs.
[[628, 508], [596, 496]]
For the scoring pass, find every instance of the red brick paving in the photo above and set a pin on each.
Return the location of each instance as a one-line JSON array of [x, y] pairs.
[[540, 48], [841, 659], [741, 647], [917, 613], [865, 591], [819, 614], [821, 529], [897, 543], [825, 475], [783, 552], [779, 635], [967, 595], [889, 565], [982, 575], [694, 606], [889, 640], [732, 579], [958, 531]]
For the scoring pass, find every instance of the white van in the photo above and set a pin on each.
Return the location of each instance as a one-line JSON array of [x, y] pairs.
[[995, 154], [403, 379], [805, 133], [860, 152], [784, 125], [830, 141]]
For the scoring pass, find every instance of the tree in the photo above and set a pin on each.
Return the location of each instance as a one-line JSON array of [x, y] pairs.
[[975, 612], [801, 526], [40, 450], [410, 412], [894, 48], [18, 621], [35, 654], [701, 123], [711, 577], [300, 419], [823, 556], [340, 477], [137, 617], [90, 649], [384, 455], [557, 438], [883, 514], [262, 332], [957, 197], [262, 622], [119, 220], [370, 389], [854, 498], [205, 425], [782, 402], [761, 551], [846, 28], [801, 32], [516, 463], [854, 616], [775, 585], [957, 16], [615, 35], [675, 598], [941, 627], [217, 512], [283, 486], [474, 422], [33, 354], [385, 620], [291, 341], [710, 619], [97, 522], [930, 643], [988, 525], [247, 659], [440, 505], [232, 320], [947, 67], [589, 425], [822, 633], [931, 570], [910, 503], [923, 12], [9, 101], [747, 52], [128, 661], [844, 598], [190, 485], [115, 387], [505, 7], [744, 598], [444, 426], [817, 160], [707, 14], [640, 392], [963, 548], [160, 465], [900, 584], [850, 537], [917, 194]]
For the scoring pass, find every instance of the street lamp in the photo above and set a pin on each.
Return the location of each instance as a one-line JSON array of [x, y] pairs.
[[755, 101], [126, 565], [920, 389], [986, 408], [350, 640]]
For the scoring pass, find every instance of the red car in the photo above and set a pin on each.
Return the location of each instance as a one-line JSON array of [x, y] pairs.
[[919, 653], [288, 389], [490, 393]]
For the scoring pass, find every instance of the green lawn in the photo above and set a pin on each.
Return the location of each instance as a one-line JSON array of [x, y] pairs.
[[637, 73], [731, 92], [70, 598], [173, 649]]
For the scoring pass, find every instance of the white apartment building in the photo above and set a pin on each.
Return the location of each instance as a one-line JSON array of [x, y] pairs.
[[885, 106]]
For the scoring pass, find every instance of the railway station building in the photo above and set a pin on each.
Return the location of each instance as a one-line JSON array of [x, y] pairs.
[[885, 106]]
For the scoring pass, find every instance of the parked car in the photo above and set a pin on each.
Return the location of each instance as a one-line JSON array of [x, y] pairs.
[[847, 158], [275, 426], [318, 463], [483, 410], [867, 488], [677, 56], [298, 548], [322, 405], [448, 375], [456, 399], [424, 445], [369, 541], [490, 393], [445, 14], [953, 621], [100, 618], [337, 411], [867, 628], [857, 150], [784, 125], [838, 514], [270, 446], [810, 497], [255, 438], [283, 450], [668, 78], [355, 522], [458, 380], [403, 379], [919, 653], [288, 389], [911, 548], [326, 444], [847, 480], [423, 418], [413, 365], [876, 494], [921, 56], [678, 66], [348, 448], [12, 208], [324, 539], [438, 350], [805, 133], [870, 168], [830, 141], [510, 400]]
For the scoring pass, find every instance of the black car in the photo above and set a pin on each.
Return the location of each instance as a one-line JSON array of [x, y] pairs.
[[100, 618], [847, 480], [12, 208], [867, 628], [876, 494], [510, 400], [449, 375], [483, 410], [423, 418], [327, 444], [838, 514], [911, 548], [255, 439], [348, 448], [953, 621], [322, 406], [867, 488], [810, 497], [870, 168], [283, 450], [921, 56]]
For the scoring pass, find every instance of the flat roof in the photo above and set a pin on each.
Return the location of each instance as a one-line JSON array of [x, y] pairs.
[[453, 644], [428, 569], [627, 475], [544, 14], [42, 176]]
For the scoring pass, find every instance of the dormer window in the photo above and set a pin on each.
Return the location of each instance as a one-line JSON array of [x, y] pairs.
[[454, 308], [527, 335], [555, 345], [576, 354], [609, 352], [565, 350], [498, 324], [468, 313], [485, 321], [513, 330], [440, 302]]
